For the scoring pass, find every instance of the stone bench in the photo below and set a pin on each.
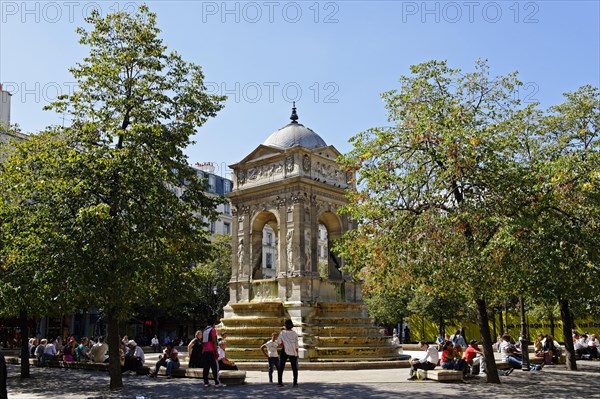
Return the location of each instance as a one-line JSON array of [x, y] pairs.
[[442, 375], [227, 377]]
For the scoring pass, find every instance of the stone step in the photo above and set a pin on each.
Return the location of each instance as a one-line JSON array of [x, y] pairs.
[[352, 341], [347, 331], [259, 309], [250, 321], [357, 352], [342, 321]]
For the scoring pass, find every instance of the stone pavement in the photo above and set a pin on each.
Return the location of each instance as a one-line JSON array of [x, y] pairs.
[[552, 382]]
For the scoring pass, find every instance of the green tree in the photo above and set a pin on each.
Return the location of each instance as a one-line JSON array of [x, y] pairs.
[[111, 177], [438, 309], [434, 187], [35, 252], [208, 291], [559, 232]]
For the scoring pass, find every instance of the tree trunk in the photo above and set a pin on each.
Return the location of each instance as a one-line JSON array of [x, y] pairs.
[[524, 346], [565, 315], [552, 326], [23, 322], [442, 330], [114, 358], [494, 330], [506, 316], [501, 323], [3, 376], [486, 342]]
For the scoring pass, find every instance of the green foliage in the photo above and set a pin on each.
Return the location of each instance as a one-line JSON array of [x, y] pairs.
[[96, 196], [209, 292], [436, 188]]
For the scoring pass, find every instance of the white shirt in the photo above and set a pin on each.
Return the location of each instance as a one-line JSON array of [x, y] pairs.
[[50, 350], [289, 338], [138, 352], [221, 353], [580, 344], [155, 341], [432, 355], [272, 348], [504, 345], [99, 352]]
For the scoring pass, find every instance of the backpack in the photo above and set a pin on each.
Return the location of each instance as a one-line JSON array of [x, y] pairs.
[[206, 335]]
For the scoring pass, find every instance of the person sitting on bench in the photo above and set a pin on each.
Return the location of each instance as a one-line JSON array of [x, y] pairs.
[[428, 362]]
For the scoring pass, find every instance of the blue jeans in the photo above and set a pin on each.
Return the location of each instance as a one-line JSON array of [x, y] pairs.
[[515, 361], [46, 357], [273, 362], [170, 364]]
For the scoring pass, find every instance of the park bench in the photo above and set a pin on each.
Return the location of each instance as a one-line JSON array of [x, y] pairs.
[[441, 375], [227, 377]]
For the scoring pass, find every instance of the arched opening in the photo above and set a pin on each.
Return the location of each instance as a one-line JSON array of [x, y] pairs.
[[270, 256], [329, 229], [264, 259]]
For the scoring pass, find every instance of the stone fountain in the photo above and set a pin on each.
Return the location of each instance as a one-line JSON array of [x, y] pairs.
[[292, 184]]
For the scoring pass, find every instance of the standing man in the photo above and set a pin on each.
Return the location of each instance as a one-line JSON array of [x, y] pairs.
[[428, 362], [289, 339]]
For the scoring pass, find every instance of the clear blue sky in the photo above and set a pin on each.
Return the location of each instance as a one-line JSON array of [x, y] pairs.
[[333, 57]]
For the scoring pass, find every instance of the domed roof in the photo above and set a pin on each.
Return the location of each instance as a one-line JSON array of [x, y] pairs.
[[295, 134]]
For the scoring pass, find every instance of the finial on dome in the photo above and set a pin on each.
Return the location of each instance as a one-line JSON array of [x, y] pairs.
[[294, 116]]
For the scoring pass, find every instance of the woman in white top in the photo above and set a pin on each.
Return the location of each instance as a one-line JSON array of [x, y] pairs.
[[289, 339]]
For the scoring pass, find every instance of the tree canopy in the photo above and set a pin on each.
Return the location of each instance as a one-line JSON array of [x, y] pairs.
[[100, 191], [443, 194]]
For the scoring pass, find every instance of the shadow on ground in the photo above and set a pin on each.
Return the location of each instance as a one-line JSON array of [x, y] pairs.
[[79, 384]]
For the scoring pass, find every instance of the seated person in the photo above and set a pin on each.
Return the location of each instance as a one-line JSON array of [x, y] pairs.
[[69, 350], [451, 358], [49, 351], [428, 362], [33, 343], [594, 346], [538, 345], [470, 354], [39, 351], [440, 344], [134, 357], [224, 363], [459, 342], [170, 360], [99, 352], [511, 355], [581, 346], [550, 349], [81, 352]]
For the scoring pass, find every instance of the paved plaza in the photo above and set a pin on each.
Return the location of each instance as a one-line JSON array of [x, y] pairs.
[[552, 382]]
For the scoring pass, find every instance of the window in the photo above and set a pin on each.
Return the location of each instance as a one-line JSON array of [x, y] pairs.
[[226, 228], [212, 183], [227, 208], [269, 239], [269, 261], [226, 185], [213, 227]]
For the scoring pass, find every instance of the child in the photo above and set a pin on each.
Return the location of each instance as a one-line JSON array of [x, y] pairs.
[[269, 349]]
